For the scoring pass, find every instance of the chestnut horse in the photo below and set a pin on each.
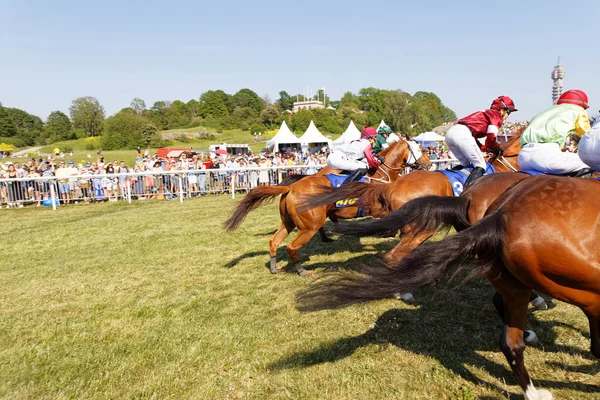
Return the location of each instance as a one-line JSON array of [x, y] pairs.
[[540, 234], [386, 199], [397, 157]]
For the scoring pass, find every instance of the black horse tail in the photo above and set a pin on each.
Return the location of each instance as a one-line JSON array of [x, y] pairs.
[[424, 214], [329, 195], [444, 259]]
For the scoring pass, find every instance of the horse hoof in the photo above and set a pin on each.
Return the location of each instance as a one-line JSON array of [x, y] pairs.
[[538, 394], [405, 297], [306, 273], [530, 338], [277, 271], [539, 303]]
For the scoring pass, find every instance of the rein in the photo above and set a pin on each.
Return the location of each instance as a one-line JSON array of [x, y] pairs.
[[414, 165]]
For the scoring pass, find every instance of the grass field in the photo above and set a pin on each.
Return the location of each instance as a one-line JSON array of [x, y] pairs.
[[153, 301]]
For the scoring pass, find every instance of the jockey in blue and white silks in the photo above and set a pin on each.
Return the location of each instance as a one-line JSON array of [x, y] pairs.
[[589, 146]]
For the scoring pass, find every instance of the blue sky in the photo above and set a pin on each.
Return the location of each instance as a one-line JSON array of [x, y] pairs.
[[467, 52]]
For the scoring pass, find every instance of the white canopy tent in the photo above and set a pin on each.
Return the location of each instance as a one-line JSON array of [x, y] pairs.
[[351, 133], [313, 138], [427, 139], [283, 137]]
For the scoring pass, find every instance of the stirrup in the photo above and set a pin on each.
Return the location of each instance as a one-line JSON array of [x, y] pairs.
[[582, 173]]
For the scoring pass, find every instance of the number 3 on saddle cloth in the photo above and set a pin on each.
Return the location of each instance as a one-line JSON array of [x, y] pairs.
[[336, 180], [459, 177]]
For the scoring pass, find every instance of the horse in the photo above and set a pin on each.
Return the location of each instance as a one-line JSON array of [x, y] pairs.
[[386, 199], [540, 234], [397, 157]]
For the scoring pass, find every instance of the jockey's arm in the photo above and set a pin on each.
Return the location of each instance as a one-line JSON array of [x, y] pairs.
[[372, 161], [582, 124], [491, 143]]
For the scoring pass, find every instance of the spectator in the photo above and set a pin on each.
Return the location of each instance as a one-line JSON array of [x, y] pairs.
[[64, 188]]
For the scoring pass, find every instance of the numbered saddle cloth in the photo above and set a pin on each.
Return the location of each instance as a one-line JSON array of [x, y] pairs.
[[459, 177], [337, 179]]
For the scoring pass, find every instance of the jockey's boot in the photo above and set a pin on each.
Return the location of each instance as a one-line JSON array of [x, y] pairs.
[[355, 175], [475, 174]]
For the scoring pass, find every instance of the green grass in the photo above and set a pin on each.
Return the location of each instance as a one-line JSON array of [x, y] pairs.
[[152, 301]]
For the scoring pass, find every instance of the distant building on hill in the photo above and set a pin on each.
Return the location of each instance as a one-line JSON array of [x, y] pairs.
[[307, 105]]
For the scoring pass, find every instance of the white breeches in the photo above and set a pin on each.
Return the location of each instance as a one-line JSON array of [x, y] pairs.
[[464, 147], [547, 157], [339, 160], [589, 148]]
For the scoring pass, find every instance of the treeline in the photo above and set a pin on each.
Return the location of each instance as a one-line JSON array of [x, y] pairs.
[[138, 125]]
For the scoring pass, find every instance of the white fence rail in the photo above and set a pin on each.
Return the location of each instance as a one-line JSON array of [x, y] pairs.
[[169, 185]]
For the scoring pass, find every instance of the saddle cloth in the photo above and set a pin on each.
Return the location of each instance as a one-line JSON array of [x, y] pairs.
[[337, 179], [459, 177]]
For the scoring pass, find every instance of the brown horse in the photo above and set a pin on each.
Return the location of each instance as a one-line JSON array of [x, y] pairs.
[[540, 234], [397, 157], [385, 199]]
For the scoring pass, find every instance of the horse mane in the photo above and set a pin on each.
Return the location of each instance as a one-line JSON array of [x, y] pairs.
[[515, 140]]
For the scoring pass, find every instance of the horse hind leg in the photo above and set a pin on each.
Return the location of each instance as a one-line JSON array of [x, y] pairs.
[[512, 342], [295, 245], [283, 231], [324, 237], [595, 333]]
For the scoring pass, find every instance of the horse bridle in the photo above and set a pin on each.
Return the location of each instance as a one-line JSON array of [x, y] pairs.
[[414, 165], [504, 163]]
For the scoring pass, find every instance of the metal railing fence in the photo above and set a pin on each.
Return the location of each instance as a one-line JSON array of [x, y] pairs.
[[169, 185]]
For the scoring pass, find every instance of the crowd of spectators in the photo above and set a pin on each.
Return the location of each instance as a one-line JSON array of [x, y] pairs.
[[188, 175]]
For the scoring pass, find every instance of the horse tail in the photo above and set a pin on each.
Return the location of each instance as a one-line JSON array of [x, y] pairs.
[[424, 214], [254, 199], [445, 259], [329, 195]]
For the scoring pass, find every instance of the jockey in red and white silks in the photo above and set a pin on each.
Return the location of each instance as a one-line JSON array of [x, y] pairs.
[[544, 138], [462, 141], [589, 146]]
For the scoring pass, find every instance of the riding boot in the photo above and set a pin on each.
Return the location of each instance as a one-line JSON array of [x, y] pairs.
[[475, 174], [355, 175]]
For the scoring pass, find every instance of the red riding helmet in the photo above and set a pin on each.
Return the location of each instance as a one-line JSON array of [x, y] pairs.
[[577, 97], [368, 133], [503, 103]]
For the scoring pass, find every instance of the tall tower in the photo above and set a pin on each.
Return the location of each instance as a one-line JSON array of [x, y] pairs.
[[557, 76]]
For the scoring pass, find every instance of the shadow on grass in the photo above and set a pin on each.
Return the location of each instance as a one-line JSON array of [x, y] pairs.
[[453, 327], [317, 246]]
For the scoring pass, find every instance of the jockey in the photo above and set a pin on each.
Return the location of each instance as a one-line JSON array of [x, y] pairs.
[[356, 156], [381, 140], [589, 146], [462, 141], [544, 137]]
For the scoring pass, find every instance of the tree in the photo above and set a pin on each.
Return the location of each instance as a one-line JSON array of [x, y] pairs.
[[138, 105], [181, 114], [150, 136], [58, 127], [247, 98], [285, 101], [213, 105], [124, 130], [349, 100], [29, 127], [193, 106], [7, 125], [269, 115], [88, 115]]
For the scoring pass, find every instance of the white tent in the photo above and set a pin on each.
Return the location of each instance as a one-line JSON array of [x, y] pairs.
[[351, 133], [313, 136], [429, 137], [282, 137]]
